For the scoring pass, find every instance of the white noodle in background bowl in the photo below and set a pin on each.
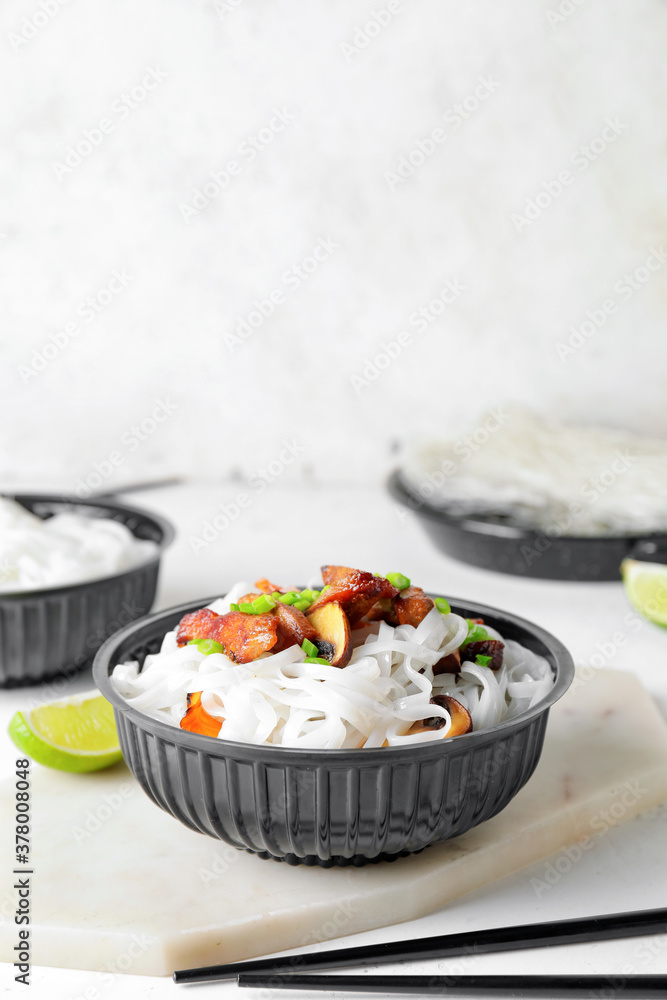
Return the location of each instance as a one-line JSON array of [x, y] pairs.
[[516, 494], [50, 627]]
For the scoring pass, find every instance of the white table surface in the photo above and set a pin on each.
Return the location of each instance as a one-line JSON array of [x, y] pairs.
[[285, 534]]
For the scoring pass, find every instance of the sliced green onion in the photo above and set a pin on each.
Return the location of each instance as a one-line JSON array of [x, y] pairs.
[[247, 609], [276, 594], [309, 648], [316, 594], [317, 659], [234, 607], [208, 646], [302, 605], [476, 633], [291, 597], [442, 604], [398, 580], [263, 604], [482, 661], [308, 595]]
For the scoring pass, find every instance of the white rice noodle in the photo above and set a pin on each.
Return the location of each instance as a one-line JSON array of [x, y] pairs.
[[374, 701], [66, 548], [547, 476]]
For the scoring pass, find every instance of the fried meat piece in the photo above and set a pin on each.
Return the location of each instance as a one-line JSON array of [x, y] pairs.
[[244, 637], [355, 590], [485, 647]]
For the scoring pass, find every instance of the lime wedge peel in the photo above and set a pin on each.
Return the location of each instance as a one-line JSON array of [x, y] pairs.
[[646, 587], [74, 734]]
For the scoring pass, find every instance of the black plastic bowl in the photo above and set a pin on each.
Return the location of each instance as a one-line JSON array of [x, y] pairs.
[[330, 807], [55, 631], [492, 543]]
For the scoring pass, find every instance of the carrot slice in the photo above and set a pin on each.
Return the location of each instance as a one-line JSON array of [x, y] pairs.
[[197, 719]]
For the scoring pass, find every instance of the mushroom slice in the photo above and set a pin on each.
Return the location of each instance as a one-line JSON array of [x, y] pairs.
[[197, 719], [334, 641], [293, 625], [461, 720]]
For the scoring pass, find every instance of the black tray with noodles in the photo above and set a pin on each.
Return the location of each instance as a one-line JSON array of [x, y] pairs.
[[496, 543]]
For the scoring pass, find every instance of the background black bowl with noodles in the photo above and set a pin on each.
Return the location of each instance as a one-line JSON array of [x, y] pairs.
[[54, 631], [496, 543], [330, 807]]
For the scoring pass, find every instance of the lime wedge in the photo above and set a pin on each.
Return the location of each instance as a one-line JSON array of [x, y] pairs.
[[646, 587], [74, 734]]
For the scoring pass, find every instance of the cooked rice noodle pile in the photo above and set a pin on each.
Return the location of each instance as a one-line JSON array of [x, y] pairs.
[[63, 549], [385, 688], [567, 480]]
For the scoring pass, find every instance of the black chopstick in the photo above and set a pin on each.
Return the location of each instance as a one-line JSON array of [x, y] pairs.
[[600, 928], [147, 484], [550, 987], [109, 494]]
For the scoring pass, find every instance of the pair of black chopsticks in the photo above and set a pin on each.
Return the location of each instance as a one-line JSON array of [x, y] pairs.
[[287, 971]]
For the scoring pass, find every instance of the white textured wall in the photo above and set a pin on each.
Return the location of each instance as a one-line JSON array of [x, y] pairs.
[[347, 117]]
